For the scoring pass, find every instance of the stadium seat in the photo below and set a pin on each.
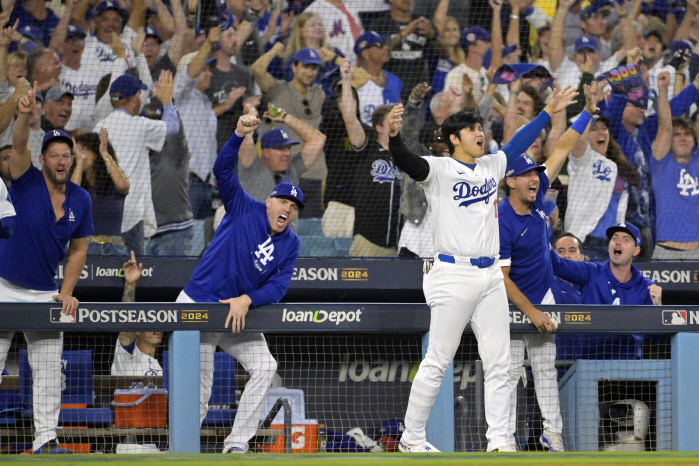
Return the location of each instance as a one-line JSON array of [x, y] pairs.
[[77, 391], [220, 413], [310, 226]]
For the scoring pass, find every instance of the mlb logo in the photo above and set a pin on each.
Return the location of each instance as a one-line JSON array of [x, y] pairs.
[[675, 317], [58, 317]]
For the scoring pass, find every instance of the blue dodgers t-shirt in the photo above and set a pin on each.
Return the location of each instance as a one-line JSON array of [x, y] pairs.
[[30, 257], [676, 189], [524, 240]]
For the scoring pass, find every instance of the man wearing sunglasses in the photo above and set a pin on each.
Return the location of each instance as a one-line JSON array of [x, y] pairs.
[[299, 97]]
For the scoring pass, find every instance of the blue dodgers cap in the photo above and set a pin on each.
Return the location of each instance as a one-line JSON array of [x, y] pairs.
[[488, 56], [74, 30], [289, 191], [56, 92], [125, 85], [150, 32], [307, 57], [627, 227], [276, 137], [680, 46], [226, 17], [522, 164], [392, 427], [109, 5], [56, 135], [586, 42], [33, 32], [367, 40], [471, 35], [653, 32]]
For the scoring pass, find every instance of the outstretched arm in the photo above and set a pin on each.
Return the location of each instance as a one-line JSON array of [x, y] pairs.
[[414, 166], [21, 158], [348, 107], [524, 138], [570, 138], [663, 140], [557, 52]]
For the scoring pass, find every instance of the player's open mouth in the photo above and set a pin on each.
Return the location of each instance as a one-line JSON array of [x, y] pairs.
[[532, 189], [281, 220], [480, 143]]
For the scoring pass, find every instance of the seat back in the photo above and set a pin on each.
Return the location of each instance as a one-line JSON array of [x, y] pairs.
[[76, 378], [223, 389]]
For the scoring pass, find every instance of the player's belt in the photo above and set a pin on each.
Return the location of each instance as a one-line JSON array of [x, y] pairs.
[[480, 262]]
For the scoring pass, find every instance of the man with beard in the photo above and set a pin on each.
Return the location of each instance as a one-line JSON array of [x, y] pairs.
[[53, 212], [248, 264]]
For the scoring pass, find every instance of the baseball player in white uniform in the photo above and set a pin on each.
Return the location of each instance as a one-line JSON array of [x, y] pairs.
[[466, 282]]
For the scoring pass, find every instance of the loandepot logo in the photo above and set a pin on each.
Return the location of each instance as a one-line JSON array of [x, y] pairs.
[[321, 316]]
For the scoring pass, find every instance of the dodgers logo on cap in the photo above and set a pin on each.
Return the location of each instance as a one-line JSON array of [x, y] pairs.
[[471, 37], [289, 191]]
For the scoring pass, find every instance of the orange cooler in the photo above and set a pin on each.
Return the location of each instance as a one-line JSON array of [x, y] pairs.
[[140, 406]]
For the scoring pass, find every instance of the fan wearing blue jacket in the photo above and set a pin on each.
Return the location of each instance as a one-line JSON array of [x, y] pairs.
[[617, 281], [248, 264]]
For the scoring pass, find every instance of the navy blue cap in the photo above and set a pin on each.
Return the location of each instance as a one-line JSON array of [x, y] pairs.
[[586, 42], [307, 57], [126, 85], [33, 32], [653, 32], [276, 137], [289, 191], [150, 32], [153, 109], [74, 30], [392, 427], [366, 40], [199, 31], [56, 135], [226, 17], [680, 46], [522, 164], [109, 5], [627, 227], [594, 8], [471, 35]]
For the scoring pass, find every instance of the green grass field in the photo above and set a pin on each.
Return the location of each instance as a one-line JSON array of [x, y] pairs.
[[380, 459]]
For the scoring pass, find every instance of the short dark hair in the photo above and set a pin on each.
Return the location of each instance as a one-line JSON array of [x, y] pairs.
[[380, 114], [686, 124], [5, 147], [539, 103], [454, 123], [563, 235]]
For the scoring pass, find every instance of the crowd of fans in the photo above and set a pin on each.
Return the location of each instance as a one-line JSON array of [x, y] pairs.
[[150, 96]]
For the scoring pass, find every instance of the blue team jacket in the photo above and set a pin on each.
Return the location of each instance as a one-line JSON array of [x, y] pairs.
[[599, 286], [243, 258]]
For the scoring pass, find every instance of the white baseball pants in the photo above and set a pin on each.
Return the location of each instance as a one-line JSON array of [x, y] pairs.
[[44, 350], [458, 294], [250, 349], [541, 348]]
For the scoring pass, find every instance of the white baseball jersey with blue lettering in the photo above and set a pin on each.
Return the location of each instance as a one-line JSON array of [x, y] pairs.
[[464, 205]]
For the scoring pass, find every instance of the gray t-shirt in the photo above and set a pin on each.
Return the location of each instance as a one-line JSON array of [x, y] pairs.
[[258, 180], [221, 84], [170, 183], [284, 95]]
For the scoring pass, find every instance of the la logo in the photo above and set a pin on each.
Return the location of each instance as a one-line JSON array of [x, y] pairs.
[[265, 250], [56, 133], [294, 192]]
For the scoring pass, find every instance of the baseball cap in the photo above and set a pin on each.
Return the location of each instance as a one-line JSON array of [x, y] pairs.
[[488, 56], [392, 427], [289, 191], [150, 32], [56, 92], [307, 57], [365, 41], [471, 35], [56, 135], [126, 85], [594, 8], [586, 42], [680, 46], [40, 97], [653, 32], [627, 227], [276, 137], [109, 5], [74, 30], [523, 164], [226, 17], [153, 109], [33, 32]]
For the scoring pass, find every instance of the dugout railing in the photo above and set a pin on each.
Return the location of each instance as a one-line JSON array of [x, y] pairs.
[[185, 321]]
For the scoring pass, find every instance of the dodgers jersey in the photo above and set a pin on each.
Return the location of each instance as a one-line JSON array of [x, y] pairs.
[[243, 257], [524, 245], [464, 204], [598, 285]]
